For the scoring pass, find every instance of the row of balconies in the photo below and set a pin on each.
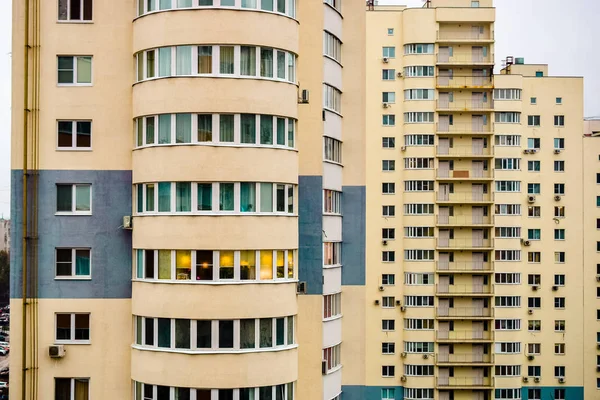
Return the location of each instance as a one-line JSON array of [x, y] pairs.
[[474, 243]]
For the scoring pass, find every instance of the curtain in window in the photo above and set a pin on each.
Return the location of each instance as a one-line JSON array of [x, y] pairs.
[[248, 60], [280, 64], [82, 262], [226, 129], [226, 59], [248, 3], [164, 129], [204, 197], [266, 197], [205, 128], [164, 196], [184, 60], [266, 264], [281, 131], [266, 5], [280, 264], [248, 197], [62, 10], [82, 197], [84, 69], [164, 61], [226, 197], [183, 128], [247, 338], [204, 59], [247, 265], [266, 129], [184, 3], [164, 264], [149, 130], [164, 4], [291, 124], [248, 128], [164, 332], [149, 197], [266, 334], [266, 62], [183, 192]]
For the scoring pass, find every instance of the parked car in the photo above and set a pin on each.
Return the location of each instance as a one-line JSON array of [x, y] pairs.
[[3, 384]]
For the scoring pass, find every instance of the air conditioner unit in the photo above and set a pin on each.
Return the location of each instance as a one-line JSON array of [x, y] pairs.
[[425, 356], [57, 351], [525, 379], [403, 378], [561, 379], [555, 288], [526, 151], [403, 354], [533, 151], [324, 367], [556, 151], [384, 242], [301, 288], [402, 308], [531, 199], [398, 303], [403, 148], [376, 302], [536, 379], [381, 288], [530, 311], [535, 287], [386, 60], [399, 74], [386, 105], [557, 198], [127, 222], [530, 357], [526, 243]]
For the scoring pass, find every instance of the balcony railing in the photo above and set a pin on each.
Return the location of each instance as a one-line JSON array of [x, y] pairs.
[[464, 335], [473, 127], [464, 174], [465, 58], [465, 105], [475, 381], [464, 289], [457, 82], [466, 358], [472, 243], [464, 197], [464, 220], [464, 312], [463, 266], [464, 35]]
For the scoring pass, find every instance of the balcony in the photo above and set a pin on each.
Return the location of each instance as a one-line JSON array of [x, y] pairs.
[[465, 267], [465, 59], [464, 175], [464, 290], [464, 336], [474, 243], [474, 105], [464, 312], [465, 220], [464, 151], [464, 36], [475, 382], [464, 197], [473, 128], [465, 82]]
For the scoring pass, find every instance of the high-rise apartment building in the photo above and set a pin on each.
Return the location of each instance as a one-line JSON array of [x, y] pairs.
[[296, 200]]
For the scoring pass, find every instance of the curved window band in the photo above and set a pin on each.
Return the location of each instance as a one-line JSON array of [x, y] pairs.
[[283, 7], [145, 391]]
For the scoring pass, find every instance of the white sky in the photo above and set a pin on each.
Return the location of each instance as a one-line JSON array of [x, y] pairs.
[[557, 32]]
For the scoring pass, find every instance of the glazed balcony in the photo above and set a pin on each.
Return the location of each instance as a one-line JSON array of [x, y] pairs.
[[464, 336], [465, 82], [464, 267], [464, 36], [464, 313], [464, 290], [465, 220], [475, 105], [466, 58], [464, 175], [465, 198], [464, 359], [464, 128], [475, 382]]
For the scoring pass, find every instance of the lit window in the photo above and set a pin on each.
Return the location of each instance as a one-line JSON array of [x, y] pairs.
[[74, 70]]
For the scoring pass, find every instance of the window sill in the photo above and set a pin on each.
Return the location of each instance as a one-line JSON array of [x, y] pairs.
[[218, 144], [215, 351], [334, 369], [71, 21], [326, 214], [73, 342], [74, 84], [73, 278], [87, 149], [208, 214], [212, 76], [227, 8], [217, 283], [339, 114], [333, 163], [72, 214], [335, 317], [332, 266]]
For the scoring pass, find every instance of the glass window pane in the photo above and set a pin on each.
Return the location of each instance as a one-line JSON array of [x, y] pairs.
[[290, 199], [140, 264], [247, 338], [290, 331], [65, 69], [164, 61], [183, 128], [248, 60], [291, 67], [150, 197], [183, 264], [65, 134], [226, 128], [281, 131], [267, 5], [247, 264], [266, 129], [226, 197], [266, 332], [63, 326], [84, 69], [205, 128], [164, 4], [266, 264], [82, 262], [203, 334], [281, 198], [182, 393], [248, 3], [149, 335], [248, 197], [184, 3], [280, 392], [204, 59], [150, 64], [164, 264], [290, 264], [281, 6], [279, 331], [280, 64], [62, 386], [248, 128], [64, 198], [203, 394], [150, 130], [266, 62], [204, 265], [183, 199], [83, 197], [280, 264], [62, 10], [140, 197], [248, 394], [163, 393], [82, 327], [225, 334], [164, 196], [184, 60], [228, 3], [84, 134], [164, 332], [291, 125], [226, 57], [164, 129], [138, 330], [226, 262], [182, 333], [225, 394], [266, 197], [87, 16], [149, 264], [140, 67], [208, 2], [204, 196]]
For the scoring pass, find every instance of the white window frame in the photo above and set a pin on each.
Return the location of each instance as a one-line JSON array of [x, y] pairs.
[[72, 382], [72, 327], [74, 199], [74, 146], [73, 275], [75, 83]]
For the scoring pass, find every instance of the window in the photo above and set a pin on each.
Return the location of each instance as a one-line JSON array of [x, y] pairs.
[[475, 3], [418, 347], [418, 209], [534, 325], [388, 302], [533, 100], [388, 279], [72, 328], [418, 324], [332, 305], [533, 166], [507, 370], [75, 10], [534, 234], [559, 372], [419, 140], [508, 301], [419, 255], [389, 52], [533, 188], [534, 302], [507, 324], [418, 94], [410, 393], [74, 135], [418, 186], [332, 253], [388, 120], [507, 209], [332, 149], [71, 388], [388, 143], [419, 163], [539, 74], [388, 188], [388, 97], [508, 117], [559, 394], [416, 278], [74, 70], [534, 394], [332, 46], [388, 256], [280, 392], [507, 394], [388, 165], [507, 278], [388, 371], [508, 163], [388, 233], [559, 120], [332, 98], [388, 74], [389, 211], [73, 263], [388, 324], [559, 325], [507, 94], [533, 143], [508, 255], [559, 143], [508, 186], [559, 166], [388, 394], [559, 211], [559, 302], [508, 140], [534, 211], [418, 301], [332, 357], [533, 279], [418, 232], [508, 347], [559, 188], [559, 100], [559, 234], [74, 199], [332, 202], [418, 117], [418, 370], [419, 48], [534, 257], [534, 370]]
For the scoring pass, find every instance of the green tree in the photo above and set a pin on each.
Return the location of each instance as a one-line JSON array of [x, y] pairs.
[[4, 277]]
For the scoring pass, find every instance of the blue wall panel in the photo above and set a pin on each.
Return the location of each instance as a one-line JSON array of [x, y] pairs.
[[547, 392], [310, 225], [111, 246], [368, 392], [353, 235]]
